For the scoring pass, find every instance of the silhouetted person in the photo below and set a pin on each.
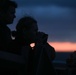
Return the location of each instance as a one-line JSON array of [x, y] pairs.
[[7, 15], [27, 33]]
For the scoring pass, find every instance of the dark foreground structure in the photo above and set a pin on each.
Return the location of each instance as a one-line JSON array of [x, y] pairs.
[[17, 62]]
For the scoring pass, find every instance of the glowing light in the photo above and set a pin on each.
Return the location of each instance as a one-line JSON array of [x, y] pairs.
[[32, 45]]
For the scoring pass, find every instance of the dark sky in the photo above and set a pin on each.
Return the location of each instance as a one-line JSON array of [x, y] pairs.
[[55, 17]]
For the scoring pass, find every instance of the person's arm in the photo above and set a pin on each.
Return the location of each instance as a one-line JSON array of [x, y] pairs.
[[50, 51]]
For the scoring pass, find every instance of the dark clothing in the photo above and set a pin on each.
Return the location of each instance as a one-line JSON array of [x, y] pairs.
[[17, 45], [44, 66], [5, 41], [5, 37], [39, 59], [30, 62], [43, 62]]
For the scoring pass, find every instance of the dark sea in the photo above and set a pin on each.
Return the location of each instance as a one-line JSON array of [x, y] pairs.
[[62, 56], [60, 63], [60, 59]]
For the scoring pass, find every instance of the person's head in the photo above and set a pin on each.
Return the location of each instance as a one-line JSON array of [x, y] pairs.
[[7, 11], [27, 26]]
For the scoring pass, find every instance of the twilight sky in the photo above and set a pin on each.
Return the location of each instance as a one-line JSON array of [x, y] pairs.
[[55, 17]]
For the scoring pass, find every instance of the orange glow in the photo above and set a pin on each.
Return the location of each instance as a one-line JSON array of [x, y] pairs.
[[63, 46]]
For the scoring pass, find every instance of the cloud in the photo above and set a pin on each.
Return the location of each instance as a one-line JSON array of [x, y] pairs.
[[58, 22], [64, 3]]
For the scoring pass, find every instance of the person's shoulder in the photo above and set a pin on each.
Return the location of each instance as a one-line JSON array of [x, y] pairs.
[[51, 51], [50, 46]]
